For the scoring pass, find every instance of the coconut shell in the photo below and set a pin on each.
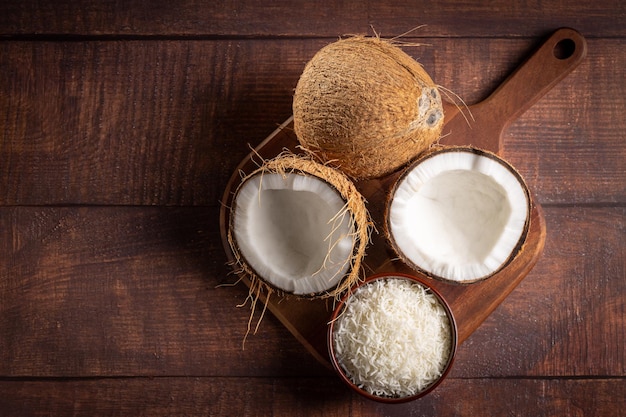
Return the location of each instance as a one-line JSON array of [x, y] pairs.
[[366, 106], [432, 152], [287, 163]]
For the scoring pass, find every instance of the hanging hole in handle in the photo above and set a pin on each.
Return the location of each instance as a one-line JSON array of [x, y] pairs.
[[564, 49]]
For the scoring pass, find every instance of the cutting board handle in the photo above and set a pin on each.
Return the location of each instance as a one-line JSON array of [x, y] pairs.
[[548, 65], [543, 69]]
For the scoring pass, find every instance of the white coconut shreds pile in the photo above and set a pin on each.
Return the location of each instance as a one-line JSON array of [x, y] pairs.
[[393, 338]]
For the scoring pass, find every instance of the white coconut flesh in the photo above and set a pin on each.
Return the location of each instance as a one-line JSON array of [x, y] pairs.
[[294, 231], [459, 215]]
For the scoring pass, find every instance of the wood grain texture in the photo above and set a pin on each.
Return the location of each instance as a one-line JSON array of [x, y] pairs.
[[120, 124], [110, 291], [132, 122], [512, 397], [305, 397], [184, 18], [111, 123], [567, 318], [184, 396], [95, 291], [296, 18]]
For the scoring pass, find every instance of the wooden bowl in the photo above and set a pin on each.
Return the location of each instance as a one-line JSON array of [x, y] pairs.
[[384, 399]]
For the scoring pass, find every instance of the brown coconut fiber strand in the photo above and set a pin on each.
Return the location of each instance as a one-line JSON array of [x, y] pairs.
[[287, 163], [366, 105]]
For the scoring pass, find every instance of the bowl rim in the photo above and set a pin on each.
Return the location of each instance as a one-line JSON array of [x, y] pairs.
[[339, 308]]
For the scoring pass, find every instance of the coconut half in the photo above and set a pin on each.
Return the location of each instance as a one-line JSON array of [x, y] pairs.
[[299, 227], [458, 214]]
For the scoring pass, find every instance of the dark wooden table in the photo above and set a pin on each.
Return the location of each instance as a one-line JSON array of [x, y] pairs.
[[120, 125]]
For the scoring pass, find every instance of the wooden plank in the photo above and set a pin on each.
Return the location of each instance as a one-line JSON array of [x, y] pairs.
[[567, 318], [119, 291], [156, 397], [94, 291], [184, 18], [143, 122], [512, 397], [294, 18], [184, 396], [133, 122], [498, 18]]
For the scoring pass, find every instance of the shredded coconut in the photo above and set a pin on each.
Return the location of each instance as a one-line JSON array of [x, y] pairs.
[[393, 338]]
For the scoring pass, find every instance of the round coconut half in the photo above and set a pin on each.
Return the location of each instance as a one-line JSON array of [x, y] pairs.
[[366, 106], [299, 227], [458, 214]]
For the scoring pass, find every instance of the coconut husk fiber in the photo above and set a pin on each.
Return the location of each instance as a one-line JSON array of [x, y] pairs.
[[366, 106], [288, 163]]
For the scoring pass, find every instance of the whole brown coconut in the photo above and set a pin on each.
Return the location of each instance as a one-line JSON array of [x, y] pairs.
[[367, 106]]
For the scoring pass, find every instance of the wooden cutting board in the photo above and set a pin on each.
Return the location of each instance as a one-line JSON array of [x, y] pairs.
[[471, 303]]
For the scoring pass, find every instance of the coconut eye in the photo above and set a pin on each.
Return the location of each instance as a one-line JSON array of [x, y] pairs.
[[423, 104], [433, 118], [459, 214]]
